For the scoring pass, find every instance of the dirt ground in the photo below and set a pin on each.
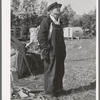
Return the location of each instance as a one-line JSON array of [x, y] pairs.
[[80, 71]]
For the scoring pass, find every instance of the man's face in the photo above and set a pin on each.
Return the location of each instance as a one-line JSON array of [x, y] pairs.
[[55, 11]]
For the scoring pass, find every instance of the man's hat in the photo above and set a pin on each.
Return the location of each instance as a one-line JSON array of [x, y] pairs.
[[54, 5]]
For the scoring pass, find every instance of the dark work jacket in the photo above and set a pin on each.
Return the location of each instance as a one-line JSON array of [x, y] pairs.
[[43, 33]]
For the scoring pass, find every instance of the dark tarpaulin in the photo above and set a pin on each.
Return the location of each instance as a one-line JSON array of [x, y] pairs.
[[22, 63], [27, 63]]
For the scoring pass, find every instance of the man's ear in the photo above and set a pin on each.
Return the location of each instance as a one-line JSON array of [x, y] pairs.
[[50, 11]]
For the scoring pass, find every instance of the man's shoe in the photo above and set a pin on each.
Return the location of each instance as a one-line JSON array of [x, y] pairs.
[[61, 92], [50, 96]]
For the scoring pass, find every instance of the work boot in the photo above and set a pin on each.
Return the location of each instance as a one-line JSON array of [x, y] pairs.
[[50, 96], [61, 92]]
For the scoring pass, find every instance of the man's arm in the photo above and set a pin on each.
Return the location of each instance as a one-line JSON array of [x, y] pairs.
[[43, 34]]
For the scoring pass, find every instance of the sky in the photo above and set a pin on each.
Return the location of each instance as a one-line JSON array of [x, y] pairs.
[[79, 6]]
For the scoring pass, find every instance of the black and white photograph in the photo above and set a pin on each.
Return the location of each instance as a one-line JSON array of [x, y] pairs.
[[52, 50]]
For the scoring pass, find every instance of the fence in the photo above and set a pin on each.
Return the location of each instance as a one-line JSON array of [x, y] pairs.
[[20, 33]]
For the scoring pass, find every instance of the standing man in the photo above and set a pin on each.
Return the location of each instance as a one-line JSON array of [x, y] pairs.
[[54, 50]]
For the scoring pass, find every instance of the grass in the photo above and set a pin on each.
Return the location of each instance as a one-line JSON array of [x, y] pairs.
[[80, 71]]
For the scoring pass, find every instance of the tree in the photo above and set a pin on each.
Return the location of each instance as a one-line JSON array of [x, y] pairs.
[[89, 22], [14, 9], [77, 22], [26, 11], [67, 15], [23, 14], [15, 6], [42, 9], [41, 12]]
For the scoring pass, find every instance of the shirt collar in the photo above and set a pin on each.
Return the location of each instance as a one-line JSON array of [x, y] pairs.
[[54, 20]]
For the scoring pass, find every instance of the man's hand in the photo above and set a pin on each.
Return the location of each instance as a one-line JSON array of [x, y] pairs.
[[45, 55]]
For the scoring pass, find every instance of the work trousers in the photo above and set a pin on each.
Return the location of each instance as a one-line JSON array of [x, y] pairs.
[[54, 67]]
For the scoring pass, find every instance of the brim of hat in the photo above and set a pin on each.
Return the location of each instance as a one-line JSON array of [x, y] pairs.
[[59, 5]]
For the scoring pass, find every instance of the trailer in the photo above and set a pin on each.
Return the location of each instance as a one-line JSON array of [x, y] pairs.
[[73, 32]]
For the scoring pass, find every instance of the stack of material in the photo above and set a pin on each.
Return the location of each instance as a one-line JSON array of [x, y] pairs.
[[23, 93]]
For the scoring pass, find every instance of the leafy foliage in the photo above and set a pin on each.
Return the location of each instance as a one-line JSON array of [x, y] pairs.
[[89, 22], [77, 22], [29, 13], [42, 9], [67, 15]]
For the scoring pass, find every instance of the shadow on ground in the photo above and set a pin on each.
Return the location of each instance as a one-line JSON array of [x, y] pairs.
[[91, 86]]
